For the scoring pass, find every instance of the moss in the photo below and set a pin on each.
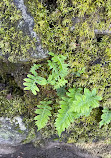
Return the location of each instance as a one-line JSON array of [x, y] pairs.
[[80, 45], [86, 129], [15, 45], [11, 108]]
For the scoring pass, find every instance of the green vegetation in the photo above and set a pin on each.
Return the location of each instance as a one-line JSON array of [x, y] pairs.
[[72, 106], [75, 105], [43, 114], [57, 78], [33, 79], [59, 71], [67, 28], [106, 117], [15, 44]]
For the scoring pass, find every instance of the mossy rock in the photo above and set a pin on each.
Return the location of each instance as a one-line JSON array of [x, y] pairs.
[[83, 49], [16, 42]]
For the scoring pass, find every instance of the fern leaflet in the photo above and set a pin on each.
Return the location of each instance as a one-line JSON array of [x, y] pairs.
[[33, 79], [43, 114], [65, 117], [86, 102], [106, 117], [59, 71]]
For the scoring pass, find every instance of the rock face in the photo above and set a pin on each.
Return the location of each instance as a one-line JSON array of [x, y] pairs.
[[22, 44], [27, 26], [12, 132], [55, 150]]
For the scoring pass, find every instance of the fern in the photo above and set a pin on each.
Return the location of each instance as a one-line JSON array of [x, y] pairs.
[[106, 117], [86, 102], [59, 70], [75, 105], [33, 79], [57, 78], [65, 116], [43, 114]]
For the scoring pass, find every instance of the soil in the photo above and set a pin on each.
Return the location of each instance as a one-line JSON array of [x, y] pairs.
[[52, 150]]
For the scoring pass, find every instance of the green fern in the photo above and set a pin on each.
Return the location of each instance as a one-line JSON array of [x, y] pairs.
[[33, 79], [65, 116], [106, 117], [59, 70], [75, 105], [57, 78], [43, 114], [86, 102]]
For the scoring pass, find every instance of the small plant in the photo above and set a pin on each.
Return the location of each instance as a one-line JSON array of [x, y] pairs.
[[33, 79], [57, 78], [59, 70], [73, 104], [106, 117], [43, 114]]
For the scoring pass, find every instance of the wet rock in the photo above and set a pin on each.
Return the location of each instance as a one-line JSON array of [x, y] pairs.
[[6, 149]]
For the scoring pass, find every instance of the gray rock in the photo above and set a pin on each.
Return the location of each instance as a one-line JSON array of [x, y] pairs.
[[6, 149], [27, 26], [12, 132]]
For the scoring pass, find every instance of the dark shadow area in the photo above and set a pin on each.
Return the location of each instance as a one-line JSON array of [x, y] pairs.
[[54, 150]]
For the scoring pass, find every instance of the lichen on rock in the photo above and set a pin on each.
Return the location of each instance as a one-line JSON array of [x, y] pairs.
[[16, 42]]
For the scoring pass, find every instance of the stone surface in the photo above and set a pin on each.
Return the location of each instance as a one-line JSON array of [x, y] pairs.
[[12, 132], [27, 27], [6, 149], [51, 150]]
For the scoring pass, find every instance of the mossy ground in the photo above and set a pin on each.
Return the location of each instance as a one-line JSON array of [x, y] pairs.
[[81, 46]]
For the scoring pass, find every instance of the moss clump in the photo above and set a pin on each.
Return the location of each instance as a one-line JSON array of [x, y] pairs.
[[11, 107], [69, 28], [14, 44], [86, 129]]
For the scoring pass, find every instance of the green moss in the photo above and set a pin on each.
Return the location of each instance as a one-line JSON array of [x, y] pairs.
[[87, 129], [15, 45], [80, 45], [11, 108]]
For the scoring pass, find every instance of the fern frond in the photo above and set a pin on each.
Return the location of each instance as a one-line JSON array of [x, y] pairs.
[[43, 114], [65, 116], [106, 117], [86, 102], [59, 70], [72, 92], [33, 79], [75, 105], [34, 68], [31, 85]]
